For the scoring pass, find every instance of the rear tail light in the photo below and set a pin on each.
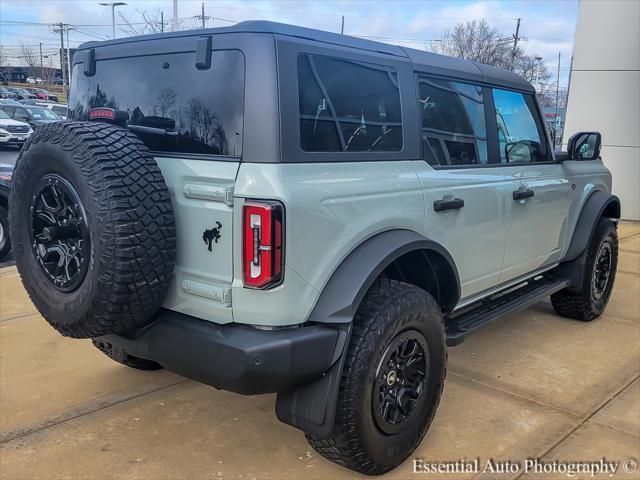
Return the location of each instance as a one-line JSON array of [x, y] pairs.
[[263, 240], [108, 114]]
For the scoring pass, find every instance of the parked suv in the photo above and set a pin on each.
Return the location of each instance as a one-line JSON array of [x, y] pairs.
[[13, 132], [267, 208]]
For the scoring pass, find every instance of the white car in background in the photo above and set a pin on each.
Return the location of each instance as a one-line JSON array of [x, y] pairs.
[[13, 132], [58, 108]]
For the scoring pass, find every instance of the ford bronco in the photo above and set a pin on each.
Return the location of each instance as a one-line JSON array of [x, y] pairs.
[[267, 208]]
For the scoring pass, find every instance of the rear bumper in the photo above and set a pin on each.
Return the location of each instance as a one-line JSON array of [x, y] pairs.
[[232, 357]]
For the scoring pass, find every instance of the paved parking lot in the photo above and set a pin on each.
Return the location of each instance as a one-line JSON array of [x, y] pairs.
[[8, 154], [532, 385]]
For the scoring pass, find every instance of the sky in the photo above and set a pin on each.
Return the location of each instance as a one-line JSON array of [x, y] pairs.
[[547, 26]]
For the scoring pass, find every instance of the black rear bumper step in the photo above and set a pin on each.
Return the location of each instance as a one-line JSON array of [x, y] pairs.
[[232, 357], [476, 316]]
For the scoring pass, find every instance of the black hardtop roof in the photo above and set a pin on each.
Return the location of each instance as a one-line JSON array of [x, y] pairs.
[[423, 61]]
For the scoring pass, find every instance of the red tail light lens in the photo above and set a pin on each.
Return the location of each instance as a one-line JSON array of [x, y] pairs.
[[102, 113], [263, 239]]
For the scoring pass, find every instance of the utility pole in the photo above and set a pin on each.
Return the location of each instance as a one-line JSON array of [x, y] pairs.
[[60, 28], [41, 69], [342, 27], [69, 55], [162, 22], [202, 17], [515, 44], [174, 27], [557, 86]]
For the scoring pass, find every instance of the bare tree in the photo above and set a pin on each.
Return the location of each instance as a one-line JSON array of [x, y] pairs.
[[480, 42], [31, 60], [476, 41], [148, 22], [166, 101], [48, 73]]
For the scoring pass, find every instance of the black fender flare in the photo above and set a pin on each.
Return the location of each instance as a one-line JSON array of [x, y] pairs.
[[573, 264], [312, 407], [596, 205]]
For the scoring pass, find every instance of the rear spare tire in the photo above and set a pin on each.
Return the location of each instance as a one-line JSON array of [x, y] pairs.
[[92, 228]]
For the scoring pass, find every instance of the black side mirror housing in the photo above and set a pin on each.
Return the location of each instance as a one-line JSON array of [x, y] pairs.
[[584, 146]]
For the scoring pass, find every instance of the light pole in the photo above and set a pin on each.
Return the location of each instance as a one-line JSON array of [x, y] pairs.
[[113, 6], [539, 59]]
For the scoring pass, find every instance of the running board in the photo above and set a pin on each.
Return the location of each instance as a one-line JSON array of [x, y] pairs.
[[513, 300]]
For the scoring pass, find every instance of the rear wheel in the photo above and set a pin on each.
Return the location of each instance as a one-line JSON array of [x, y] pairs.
[[391, 382], [596, 285]]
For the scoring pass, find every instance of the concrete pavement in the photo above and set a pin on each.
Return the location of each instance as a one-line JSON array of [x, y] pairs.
[[532, 385]]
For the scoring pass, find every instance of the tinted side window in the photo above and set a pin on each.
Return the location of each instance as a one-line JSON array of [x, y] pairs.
[[171, 105], [453, 122], [348, 106], [519, 134]]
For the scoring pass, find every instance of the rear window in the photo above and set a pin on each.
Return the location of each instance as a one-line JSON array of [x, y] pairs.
[[59, 110], [348, 106], [171, 105]]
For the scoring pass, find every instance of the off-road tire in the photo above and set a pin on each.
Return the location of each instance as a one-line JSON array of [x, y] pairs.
[[583, 304], [129, 224], [389, 308], [126, 359], [5, 239]]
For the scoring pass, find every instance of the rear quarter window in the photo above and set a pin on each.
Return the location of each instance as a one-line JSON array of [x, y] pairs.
[[171, 105], [348, 106]]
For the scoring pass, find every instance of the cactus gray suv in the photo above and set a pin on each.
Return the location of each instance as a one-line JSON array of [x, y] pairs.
[[267, 208]]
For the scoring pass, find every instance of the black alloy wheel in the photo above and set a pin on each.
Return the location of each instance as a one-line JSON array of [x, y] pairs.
[[60, 238], [602, 270], [400, 379]]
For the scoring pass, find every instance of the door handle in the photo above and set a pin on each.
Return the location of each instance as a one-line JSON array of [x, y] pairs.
[[522, 194], [455, 204]]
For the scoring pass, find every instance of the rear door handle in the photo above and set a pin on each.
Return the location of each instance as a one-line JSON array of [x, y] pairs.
[[455, 204], [521, 194]]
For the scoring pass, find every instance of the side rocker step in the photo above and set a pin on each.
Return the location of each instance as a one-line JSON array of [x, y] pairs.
[[517, 298]]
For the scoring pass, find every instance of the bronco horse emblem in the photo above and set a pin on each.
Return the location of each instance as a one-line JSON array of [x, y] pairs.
[[212, 235]]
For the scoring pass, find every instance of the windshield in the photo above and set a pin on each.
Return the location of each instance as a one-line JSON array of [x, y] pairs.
[[3, 115], [43, 114]]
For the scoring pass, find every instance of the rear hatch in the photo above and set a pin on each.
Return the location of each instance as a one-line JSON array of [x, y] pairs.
[[192, 121]]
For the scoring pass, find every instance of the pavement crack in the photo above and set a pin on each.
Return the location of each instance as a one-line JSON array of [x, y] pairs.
[[78, 412]]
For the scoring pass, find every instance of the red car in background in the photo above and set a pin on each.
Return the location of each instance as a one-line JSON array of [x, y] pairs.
[[43, 94]]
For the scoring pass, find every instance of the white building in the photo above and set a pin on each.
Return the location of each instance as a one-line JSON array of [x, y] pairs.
[[604, 91]]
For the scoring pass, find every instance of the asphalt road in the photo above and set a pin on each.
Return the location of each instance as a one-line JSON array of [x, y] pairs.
[[8, 155]]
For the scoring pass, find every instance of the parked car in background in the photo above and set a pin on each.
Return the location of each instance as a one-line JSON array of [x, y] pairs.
[[34, 80], [43, 94], [33, 115], [8, 101], [22, 93], [8, 94], [59, 109], [13, 132], [6, 173]]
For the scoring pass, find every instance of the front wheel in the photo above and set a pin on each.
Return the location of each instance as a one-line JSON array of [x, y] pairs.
[[596, 285], [392, 380]]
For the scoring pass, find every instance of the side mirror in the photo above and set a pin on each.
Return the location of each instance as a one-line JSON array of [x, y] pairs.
[[584, 146]]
